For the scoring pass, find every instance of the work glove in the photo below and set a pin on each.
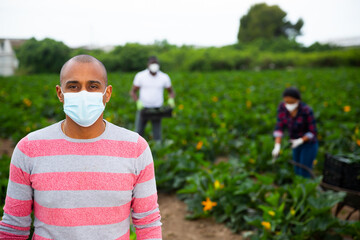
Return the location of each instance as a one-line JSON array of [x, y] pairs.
[[276, 150], [139, 105], [296, 142], [171, 102]]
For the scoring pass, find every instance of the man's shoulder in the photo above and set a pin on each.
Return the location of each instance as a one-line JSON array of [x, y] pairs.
[[142, 73], [31, 140], [49, 132], [122, 134], [162, 74]]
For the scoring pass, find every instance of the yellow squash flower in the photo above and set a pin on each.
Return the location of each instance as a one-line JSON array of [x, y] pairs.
[[208, 204], [199, 145], [181, 107], [271, 213], [215, 99], [27, 102], [266, 225], [292, 211], [248, 104], [218, 185], [347, 108], [358, 142]]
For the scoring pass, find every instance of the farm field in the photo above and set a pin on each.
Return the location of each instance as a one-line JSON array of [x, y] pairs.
[[217, 147]]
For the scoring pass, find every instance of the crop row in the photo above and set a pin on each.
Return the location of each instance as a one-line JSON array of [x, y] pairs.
[[217, 148]]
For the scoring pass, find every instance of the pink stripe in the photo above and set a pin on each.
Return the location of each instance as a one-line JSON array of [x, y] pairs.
[[82, 181], [148, 219], [141, 205], [10, 236], [148, 233], [18, 208], [142, 145], [70, 217], [38, 237], [17, 175], [52, 147], [146, 174], [15, 227], [126, 236]]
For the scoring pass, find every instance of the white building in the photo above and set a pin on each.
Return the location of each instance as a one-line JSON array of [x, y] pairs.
[[8, 61]]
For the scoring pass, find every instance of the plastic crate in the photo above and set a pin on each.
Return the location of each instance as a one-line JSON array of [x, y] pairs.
[[339, 171], [156, 113], [351, 179], [332, 172]]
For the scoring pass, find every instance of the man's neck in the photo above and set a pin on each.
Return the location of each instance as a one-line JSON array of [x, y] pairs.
[[73, 130]]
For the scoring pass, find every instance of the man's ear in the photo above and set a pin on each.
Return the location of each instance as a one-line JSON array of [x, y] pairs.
[[59, 94], [108, 93]]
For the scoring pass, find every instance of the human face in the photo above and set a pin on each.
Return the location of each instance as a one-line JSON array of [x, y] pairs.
[[79, 77], [291, 104], [290, 100]]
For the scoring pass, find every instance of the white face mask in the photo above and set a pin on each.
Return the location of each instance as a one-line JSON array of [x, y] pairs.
[[291, 107], [84, 107], [154, 67]]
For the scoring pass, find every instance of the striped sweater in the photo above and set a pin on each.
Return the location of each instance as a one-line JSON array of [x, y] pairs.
[[81, 188]]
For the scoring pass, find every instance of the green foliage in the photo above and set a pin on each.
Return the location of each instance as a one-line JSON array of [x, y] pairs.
[[226, 117], [275, 53], [45, 56], [266, 22], [4, 177]]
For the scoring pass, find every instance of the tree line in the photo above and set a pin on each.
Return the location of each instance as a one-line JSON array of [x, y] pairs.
[[266, 40]]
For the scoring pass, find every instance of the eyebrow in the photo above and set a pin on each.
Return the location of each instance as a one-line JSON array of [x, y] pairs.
[[91, 82], [94, 81], [70, 82]]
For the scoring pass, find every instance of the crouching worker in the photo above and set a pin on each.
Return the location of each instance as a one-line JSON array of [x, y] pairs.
[[299, 119], [82, 177]]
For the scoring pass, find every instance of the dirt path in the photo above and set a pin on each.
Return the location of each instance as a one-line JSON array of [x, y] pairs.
[[176, 227]]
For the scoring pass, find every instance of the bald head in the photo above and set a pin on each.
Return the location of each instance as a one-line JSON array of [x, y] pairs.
[[82, 59]]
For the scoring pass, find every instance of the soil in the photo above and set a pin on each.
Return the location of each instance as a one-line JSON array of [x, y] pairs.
[[6, 147], [176, 227]]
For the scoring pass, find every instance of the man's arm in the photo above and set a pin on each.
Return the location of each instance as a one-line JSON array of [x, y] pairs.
[[16, 220], [171, 92], [133, 92], [145, 209]]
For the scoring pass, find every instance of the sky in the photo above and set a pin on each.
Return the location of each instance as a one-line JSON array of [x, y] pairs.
[[190, 22]]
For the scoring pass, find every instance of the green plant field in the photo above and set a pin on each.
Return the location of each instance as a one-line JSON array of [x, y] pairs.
[[228, 116]]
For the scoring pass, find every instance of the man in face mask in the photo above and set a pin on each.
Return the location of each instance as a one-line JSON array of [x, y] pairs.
[[82, 177], [151, 82]]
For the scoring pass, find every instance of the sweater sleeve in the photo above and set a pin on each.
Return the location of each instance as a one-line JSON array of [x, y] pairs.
[[145, 209], [279, 127], [16, 220], [311, 134]]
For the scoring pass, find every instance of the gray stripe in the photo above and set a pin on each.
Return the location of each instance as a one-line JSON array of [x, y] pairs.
[[144, 214], [145, 189], [19, 191], [17, 221], [154, 224], [14, 231], [20, 160], [143, 160], [79, 199], [112, 132], [96, 232], [76, 163]]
